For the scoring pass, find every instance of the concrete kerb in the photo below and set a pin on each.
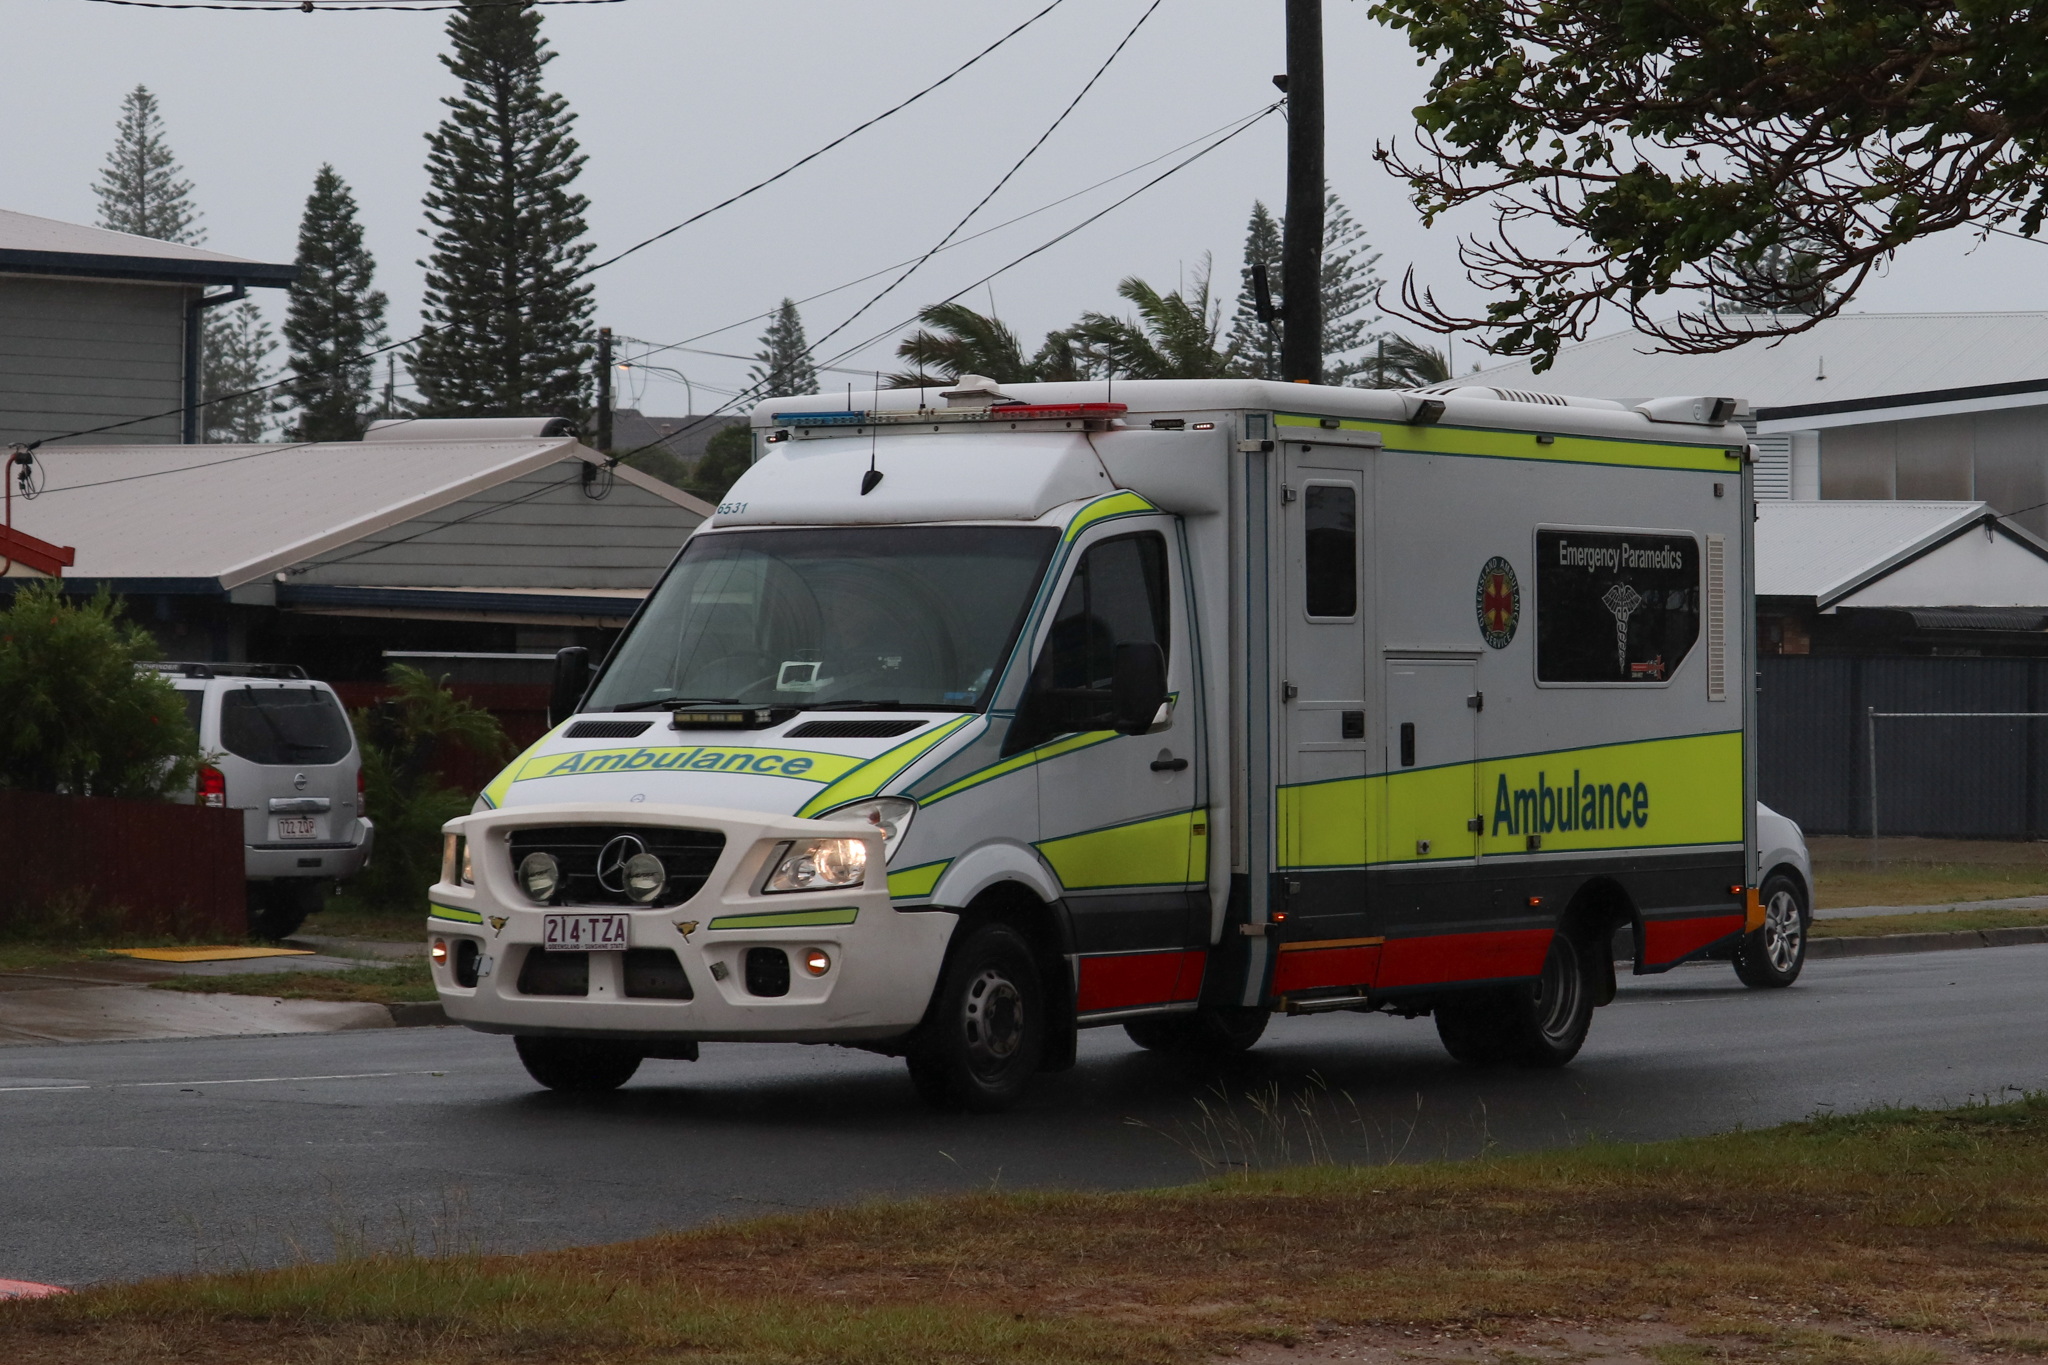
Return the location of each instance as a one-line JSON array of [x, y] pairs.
[[1886, 944]]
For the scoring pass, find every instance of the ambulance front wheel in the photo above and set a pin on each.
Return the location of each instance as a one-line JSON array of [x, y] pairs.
[[1202, 1033], [985, 1036], [577, 1065], [1542, 1023]]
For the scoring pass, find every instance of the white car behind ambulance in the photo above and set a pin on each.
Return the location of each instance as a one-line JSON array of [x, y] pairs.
[[960, 728]]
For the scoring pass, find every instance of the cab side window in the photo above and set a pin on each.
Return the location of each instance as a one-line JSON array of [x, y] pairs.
[[1117, 596]]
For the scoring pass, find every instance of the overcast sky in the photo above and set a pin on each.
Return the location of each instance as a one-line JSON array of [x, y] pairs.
[[680, 103]]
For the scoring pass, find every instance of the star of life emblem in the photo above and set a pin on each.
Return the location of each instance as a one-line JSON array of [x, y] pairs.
[[1498, 601]]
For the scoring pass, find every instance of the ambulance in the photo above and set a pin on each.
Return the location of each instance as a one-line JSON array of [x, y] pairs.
[[978, 717]]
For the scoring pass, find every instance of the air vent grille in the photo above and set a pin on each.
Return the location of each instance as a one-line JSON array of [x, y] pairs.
[[609, 729], [1717, 618], [853, 729]]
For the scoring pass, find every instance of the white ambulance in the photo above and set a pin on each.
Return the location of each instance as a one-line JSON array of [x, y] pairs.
[[978, 717]]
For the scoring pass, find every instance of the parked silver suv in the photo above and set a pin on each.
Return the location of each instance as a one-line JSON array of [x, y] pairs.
[[279, 749]]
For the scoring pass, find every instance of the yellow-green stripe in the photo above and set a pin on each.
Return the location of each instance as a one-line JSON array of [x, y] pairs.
[[1522, 445], [1023, 760], [1114, 505], [884, 768], [787, 919], [449, 912], [919, 880]]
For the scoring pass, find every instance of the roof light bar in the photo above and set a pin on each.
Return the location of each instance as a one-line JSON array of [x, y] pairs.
[[1012, 412]]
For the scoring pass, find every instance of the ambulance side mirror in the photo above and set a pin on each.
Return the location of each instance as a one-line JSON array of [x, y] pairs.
[[1137, 688], [572, 677]]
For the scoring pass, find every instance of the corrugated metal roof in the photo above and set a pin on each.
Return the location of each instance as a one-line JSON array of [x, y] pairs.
[[234, 514], [1847, 358], [1822, 549], [46, 245]]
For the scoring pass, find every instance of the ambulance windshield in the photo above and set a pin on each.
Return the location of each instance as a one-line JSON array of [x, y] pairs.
[[825, 617]]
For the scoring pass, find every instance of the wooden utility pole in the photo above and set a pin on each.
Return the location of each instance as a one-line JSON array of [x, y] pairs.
[[1301, 250], [604, 389]]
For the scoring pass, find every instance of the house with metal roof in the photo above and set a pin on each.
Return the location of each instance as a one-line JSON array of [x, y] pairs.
[[100, 329], [1908, 406], [454, 537], [1914, 578]]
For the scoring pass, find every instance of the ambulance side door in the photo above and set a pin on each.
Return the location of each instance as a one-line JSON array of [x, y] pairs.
[[1119, 814]]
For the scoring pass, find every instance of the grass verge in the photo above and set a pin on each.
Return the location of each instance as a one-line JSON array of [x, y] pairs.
[[350, 916], [1888, 1238], [1933, 922], [398, 983], [1850, 872]]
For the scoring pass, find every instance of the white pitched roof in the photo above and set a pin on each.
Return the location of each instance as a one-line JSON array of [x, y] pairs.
[[1845, 359], [1903, 554], [234, 514], [48, 246]]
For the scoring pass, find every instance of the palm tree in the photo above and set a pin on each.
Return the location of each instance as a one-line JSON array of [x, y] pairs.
[[1398, 363], [1173, 337], [956, 340]]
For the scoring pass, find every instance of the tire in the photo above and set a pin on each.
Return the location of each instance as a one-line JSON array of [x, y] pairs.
[[1542, 1023], [982, 1042], [278, 908], [1200, 1033], [577, 1066], [1774, 955]]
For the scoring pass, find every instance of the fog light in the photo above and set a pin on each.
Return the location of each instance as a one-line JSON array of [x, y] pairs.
[[645, 877], [817, 961], [815, 864], [439, 952], [540, 876]]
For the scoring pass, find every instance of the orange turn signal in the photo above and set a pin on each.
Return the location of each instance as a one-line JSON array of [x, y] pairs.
[[439, 952], [816, 961]]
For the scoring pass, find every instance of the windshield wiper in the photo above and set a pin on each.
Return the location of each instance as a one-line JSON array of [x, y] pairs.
[[890, 704], [672, 703]]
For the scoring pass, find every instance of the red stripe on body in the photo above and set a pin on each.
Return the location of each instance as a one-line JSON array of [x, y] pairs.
[[1462, 957], [1129, 980], [1667, 940], [1313, 968]]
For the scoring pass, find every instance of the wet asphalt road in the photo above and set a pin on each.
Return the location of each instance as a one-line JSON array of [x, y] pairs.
[[126, 1160]]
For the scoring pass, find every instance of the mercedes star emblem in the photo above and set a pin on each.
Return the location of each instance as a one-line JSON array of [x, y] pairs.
[[612, 860]]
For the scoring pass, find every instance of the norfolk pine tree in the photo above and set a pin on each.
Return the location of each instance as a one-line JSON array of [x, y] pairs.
[[510, 324], [140, 190], [237, 346], [784, 367], [334, 317], [1349, 283]]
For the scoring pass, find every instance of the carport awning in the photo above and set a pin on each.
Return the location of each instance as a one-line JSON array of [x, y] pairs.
[[1980, 618]]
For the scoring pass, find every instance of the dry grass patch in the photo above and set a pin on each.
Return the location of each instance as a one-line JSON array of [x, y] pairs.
[[1849, 872], [1896, 1238]]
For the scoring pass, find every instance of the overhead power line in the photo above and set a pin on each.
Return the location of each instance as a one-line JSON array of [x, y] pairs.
[[587, 270]]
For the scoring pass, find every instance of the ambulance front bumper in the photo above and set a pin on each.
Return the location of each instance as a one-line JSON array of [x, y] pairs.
[[883, 963]]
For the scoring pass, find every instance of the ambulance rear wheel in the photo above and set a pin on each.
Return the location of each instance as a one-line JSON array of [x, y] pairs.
[[576, 1065], [1775, 954], [1542, 1023], [985, 1036], [1201, 1033]]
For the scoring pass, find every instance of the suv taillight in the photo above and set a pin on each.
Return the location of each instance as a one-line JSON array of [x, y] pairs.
[[213, 788], [362, 797]]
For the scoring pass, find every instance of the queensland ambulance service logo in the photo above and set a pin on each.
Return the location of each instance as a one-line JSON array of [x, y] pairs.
[[1498, 602]]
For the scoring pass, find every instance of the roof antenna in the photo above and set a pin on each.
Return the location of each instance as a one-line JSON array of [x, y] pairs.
[[874, 475]]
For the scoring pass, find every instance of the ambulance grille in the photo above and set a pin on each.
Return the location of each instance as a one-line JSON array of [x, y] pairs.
[[688, 854], [853, 729]]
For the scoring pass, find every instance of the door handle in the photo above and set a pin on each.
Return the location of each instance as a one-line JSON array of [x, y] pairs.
[[1169, 765]]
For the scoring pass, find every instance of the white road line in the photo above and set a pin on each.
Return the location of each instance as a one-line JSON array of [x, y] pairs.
[[271, 1080], [7, 1089]]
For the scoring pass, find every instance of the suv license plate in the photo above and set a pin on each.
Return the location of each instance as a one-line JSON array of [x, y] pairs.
[[584, 933], [295, 827]]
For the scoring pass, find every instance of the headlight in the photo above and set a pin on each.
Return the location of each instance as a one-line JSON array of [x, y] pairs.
[[889, 814], [645, 877], [468, 872], [819, 864], [540, 876]]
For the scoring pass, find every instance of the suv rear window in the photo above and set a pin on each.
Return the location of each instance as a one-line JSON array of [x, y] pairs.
[[288, 725]]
